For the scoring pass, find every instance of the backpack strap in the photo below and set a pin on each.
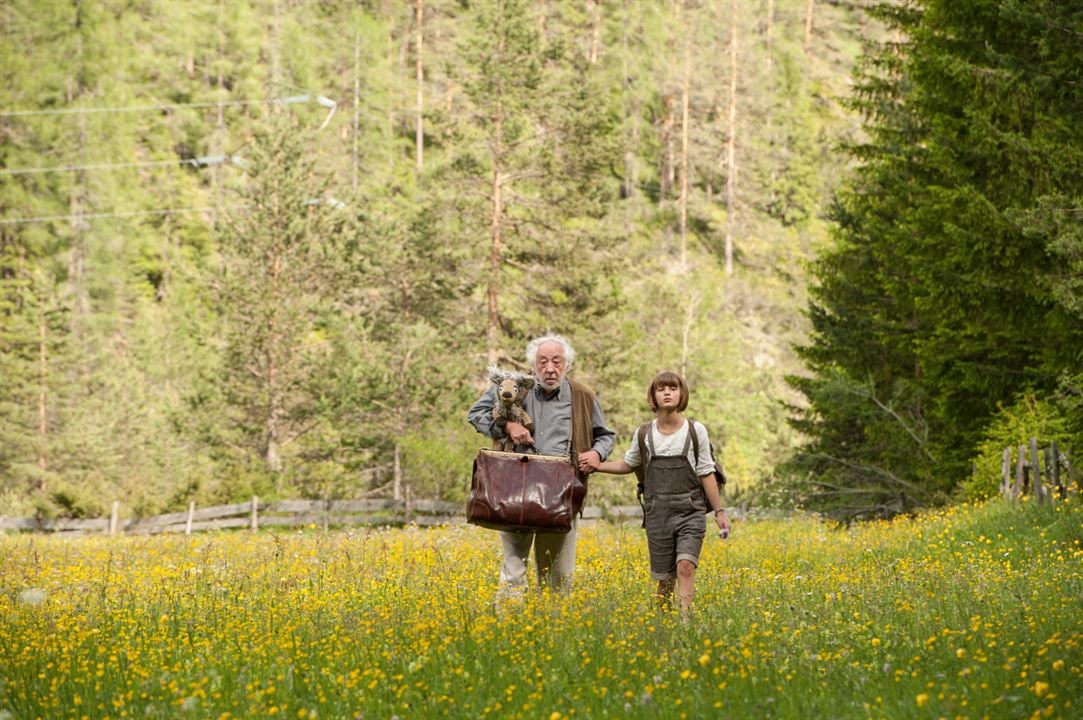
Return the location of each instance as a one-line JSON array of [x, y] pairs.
[[641, 471], [695, 439], [642, 440]]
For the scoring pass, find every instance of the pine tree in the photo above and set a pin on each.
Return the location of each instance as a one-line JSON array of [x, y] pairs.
[[283, 255], [535, 138]]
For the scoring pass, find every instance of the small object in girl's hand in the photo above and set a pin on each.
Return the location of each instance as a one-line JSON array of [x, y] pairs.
[[723, 534]]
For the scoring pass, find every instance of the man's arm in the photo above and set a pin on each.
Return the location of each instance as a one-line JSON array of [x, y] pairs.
[[604, 438], [481, 415]]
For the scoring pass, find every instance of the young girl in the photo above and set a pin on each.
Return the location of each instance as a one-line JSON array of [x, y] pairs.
[[675, 483]]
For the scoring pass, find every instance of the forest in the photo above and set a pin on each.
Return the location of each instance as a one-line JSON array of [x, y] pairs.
[[270, 246]]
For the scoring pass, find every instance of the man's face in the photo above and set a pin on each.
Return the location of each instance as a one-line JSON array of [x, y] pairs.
[[550, 365]]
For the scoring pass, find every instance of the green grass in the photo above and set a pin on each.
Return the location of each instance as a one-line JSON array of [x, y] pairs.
[[970, 613]]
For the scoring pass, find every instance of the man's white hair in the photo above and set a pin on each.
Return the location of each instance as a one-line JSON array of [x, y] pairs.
[[533, 345]]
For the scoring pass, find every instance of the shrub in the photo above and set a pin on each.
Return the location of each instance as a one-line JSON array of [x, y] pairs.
[[1029, 417]]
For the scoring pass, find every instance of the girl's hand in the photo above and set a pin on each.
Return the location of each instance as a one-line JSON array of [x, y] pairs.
[[723, 524]]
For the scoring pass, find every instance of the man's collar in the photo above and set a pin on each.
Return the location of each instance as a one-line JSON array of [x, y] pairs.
[[561, 391]]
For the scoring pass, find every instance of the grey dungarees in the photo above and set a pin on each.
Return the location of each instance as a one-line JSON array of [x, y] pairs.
[[674, 509]]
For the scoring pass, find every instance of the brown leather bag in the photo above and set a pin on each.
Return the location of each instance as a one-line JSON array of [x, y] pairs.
[[519, 492]]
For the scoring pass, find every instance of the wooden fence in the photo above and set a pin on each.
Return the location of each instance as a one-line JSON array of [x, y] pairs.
[[1043, 473], [255, 514]]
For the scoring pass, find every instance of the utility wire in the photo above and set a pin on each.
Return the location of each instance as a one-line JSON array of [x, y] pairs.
[[131, 213], [133, 108], [331, 202], [320, 99], [201, 161]]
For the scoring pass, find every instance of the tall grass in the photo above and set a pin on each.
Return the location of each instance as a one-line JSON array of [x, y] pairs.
[[976, 612]]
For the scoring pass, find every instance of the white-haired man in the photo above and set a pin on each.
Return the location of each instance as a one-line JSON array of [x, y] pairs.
[[568, 422]]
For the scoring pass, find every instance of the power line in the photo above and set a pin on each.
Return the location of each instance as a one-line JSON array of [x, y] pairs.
[[320, 99], [201, 161], [331, 202], [132, 108], [115, 214]]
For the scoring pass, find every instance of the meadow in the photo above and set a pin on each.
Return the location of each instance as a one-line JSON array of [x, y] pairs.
[[971, 612]]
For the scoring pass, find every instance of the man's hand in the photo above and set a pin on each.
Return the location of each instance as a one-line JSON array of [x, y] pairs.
[[589, 461], [518, 433]]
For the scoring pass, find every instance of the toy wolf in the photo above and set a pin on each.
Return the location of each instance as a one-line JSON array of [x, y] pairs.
[[511, 389]]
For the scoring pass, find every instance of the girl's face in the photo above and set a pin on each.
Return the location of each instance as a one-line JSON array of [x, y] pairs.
[[667, 397]]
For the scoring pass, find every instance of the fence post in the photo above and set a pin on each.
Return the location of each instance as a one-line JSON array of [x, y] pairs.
[[254, 524], [1037, 486], [1006, 474], [1072, 478], [188, 520], [1054, 467], [1047, 459], [1020, 462], [114, 518]]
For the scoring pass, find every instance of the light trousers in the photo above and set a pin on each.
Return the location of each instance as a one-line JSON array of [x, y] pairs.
[[554, 556]]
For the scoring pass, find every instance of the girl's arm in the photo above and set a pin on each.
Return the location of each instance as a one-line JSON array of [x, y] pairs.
[[616, 467], [714, 501]]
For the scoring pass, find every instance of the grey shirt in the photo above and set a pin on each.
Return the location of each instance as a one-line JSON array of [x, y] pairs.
[[552, 416]]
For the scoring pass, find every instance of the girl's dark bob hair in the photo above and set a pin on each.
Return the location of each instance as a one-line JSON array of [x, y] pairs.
[[667, 379]]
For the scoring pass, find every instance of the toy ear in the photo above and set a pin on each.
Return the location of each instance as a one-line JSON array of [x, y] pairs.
[[495, 375], [527, 382]]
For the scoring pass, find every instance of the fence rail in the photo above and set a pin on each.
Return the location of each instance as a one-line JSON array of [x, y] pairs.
[[255, 514], [1044, 473]]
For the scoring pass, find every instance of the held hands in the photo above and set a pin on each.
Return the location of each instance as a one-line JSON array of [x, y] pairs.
[[589, 461], [518, 433]]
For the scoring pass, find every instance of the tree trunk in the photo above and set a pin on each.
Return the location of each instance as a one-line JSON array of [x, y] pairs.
[[43, 437], [666, 171], [683, 198], [356, 109], [276, 65], [396, 471], [218, 137], [495, 223], [420, 74], [272, 454], [808, 24], [770, 63], [630, 188], [390, 128], [494, 256], [731, 143], [77, 200], [595, 31], [686, 333], [768, 34]]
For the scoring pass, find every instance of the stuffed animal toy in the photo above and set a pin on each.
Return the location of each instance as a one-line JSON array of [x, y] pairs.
[[511, 389]]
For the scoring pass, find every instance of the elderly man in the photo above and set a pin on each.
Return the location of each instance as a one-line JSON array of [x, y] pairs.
[[568, 422]]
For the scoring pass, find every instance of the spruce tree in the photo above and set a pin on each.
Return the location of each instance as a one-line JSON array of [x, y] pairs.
[[533, 143], [932, 309], [283, 253]]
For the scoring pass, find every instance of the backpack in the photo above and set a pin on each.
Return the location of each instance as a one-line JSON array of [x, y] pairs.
[[641, 471]]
